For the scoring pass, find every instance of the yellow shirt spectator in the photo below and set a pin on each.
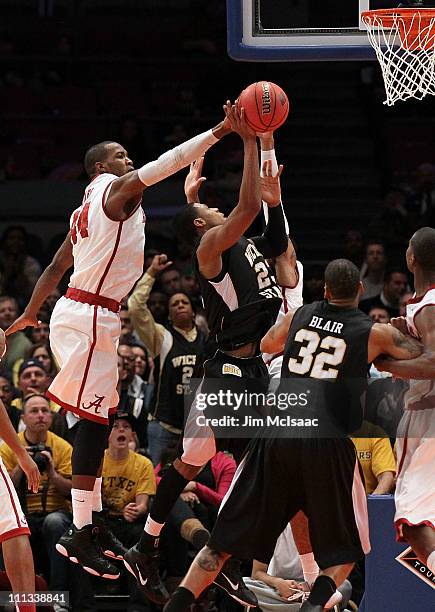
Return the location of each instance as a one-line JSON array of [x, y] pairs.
[[61, 453], [375, 456], [124, 479]]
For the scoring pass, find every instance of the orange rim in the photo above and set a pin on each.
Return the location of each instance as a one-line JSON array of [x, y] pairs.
[[410, 24]]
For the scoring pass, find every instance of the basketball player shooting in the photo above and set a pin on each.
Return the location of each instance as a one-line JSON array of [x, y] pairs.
[[105, 245], [324, 473], [415, 487], [241, 302]]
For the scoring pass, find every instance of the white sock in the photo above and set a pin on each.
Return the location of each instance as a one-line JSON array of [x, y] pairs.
[[153, 528], [81, 507], [333, 600], [430, 563], [97, 504], [309, 567]]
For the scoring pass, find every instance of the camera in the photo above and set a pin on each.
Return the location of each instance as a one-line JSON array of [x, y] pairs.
[[40, 459]]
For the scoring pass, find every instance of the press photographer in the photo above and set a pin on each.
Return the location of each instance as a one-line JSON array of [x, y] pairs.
[[48, 511]]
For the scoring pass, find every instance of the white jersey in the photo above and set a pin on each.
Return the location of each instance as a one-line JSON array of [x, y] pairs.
[[108, 255], [421, 394], [291, 299]]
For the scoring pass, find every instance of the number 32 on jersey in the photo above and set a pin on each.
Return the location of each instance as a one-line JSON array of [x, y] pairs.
[[310, 361]]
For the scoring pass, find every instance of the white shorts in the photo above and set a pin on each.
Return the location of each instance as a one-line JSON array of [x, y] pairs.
[[84, 340], [415, 488], [12, 520], [274, 366]]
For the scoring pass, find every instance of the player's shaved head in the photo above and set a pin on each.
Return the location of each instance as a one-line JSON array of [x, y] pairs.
[[342, 279], [423, 248], [97, 153]]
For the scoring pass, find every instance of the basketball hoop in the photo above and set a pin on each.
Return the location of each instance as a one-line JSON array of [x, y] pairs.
[[404, 41]]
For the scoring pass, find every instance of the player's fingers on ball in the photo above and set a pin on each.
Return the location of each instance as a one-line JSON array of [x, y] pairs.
[[280, 169]]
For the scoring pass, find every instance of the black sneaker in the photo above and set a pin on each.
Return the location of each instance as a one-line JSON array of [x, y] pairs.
[[145, 568], [79, 546], [110, 546], [230, 580]]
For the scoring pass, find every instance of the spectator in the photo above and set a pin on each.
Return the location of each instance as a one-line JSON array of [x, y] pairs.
[[170, 280], [314, 284], [379, 315], [48, 511], [143, 365], [128, 484], [42, 332], [39, 351], [395, 285], [20, 271], [50, 301], [178, 347], [421, 203], [134, 393], [32, 378], [126, 336], [376, 457], [18, 344], [354, 247], [7, 393], [373, 270], [279, 587], [158, 306], [404, 299], [393, 223]]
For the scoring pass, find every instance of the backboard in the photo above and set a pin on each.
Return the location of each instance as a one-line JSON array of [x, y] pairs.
[[299, 30]]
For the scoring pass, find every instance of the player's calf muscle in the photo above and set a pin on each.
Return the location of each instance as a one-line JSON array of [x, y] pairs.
[[210, 560]]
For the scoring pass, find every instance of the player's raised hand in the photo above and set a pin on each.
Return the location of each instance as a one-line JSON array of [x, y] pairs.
[[25, 320], [236, 116], [194, 180], [31, 471], [158, 264], [270, 184]]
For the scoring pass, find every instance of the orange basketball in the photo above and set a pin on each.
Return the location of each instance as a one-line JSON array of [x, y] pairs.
[[266, 106]]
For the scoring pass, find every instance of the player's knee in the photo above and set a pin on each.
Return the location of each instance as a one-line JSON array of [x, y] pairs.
[[198, 452], [187, 471], [211, 560]]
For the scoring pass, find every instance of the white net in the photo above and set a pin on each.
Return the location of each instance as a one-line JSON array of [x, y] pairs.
[[404, 41]]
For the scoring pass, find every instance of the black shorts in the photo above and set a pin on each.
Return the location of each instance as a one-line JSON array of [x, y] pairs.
[[281, 476], [225, 372]]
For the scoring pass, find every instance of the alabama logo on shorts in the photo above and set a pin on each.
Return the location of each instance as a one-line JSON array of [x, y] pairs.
[[229, 368], [96, 404], [408, 559]]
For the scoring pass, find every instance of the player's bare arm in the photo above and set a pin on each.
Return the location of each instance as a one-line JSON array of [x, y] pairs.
[[194, 180], [422, 365], [286, 269], [47, 282], [126, 191], [388, 340], [275, 339], [218, 239]]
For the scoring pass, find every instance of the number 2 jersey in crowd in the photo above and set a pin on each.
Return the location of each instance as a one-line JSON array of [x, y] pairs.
[[85, 327]]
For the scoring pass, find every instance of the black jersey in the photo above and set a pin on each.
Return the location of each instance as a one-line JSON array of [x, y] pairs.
[[327, 344], [242, 301], [177, 360]]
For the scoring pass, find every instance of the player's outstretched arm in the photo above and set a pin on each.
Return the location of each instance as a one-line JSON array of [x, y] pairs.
[[47, 282], [218, 239], [275, 339], [133, 183], [420, 365]]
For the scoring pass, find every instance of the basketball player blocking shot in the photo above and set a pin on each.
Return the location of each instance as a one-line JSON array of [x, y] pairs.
[[105, 245]]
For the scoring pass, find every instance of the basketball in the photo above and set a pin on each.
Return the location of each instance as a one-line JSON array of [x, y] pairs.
[[266, 106]]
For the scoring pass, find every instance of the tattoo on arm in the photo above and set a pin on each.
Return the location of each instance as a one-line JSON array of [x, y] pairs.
[[407, 343], [209, 560]]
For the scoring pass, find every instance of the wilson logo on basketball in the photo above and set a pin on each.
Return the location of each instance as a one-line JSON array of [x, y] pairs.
[[408, 559], [95, 404], [265, 99]]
